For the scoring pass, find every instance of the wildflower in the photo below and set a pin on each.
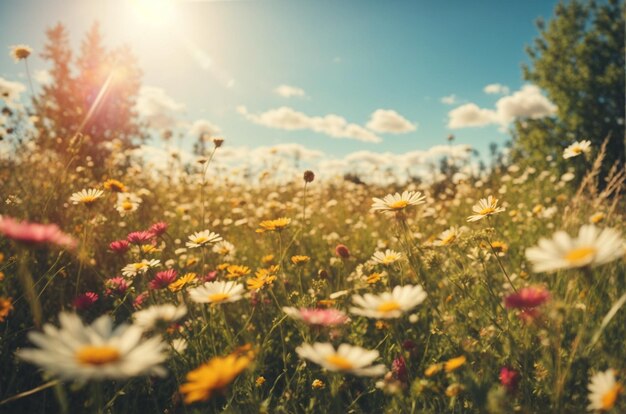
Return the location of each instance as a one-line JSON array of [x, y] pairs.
[[217, 142], [597, 218], [217, 292], [500, 248], [386, 258], [183, 281], [509, 378], [577, 148], [158, 316], [399, 369], [342, 251], [603, 391], [591, 248], [486, 207], [214, 375], [317, 384], [300, 260], [158, 228], [388, 304], [267, 259], [127, 203], [35, 233], [453, 390], [393, 203], [19, 52], [320, 317], [528, 297], [454, 363], [140, 237], [273, 225], [236, 271], [133, 269], [115, 285], [259, 381], [86, 197], [347, 359], [94, 352], [85, 300], [308, 176], [447, 237], [375, 277], [433, 369], [6, 306], [119, 246], [223, 248], [114, 186], [163, 279], [202, 238], [262, 278], [140, 299]]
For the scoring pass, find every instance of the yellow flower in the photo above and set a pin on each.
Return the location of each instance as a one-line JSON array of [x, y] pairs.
[[260, 381], [374, 278], [300, 259], [214, 375], [318, 384], [5, 307], [223, 266], [263, 277], [182, 282], [432, 370], [326, 302], [115, 186], [236, 271], [267, 259], [596, 218], [273, 225], [453, 390], [455, 363], [19, 52], [499, 247]]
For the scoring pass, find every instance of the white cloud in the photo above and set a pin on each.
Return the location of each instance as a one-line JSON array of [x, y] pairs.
[[202, 126], [496, 89], [10, 91], [287, 91], [387, 120], [449, 100], [528, 102], [158, 108], [289, 119]]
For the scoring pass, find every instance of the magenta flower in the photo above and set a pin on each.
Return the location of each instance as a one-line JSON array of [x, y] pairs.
[[116, 285], [398, 368], [209, 277], [509, 378], [163, 279], [119, 246], [140, 237], [140, 299], [319, 317], [85, 301], [342, 251], [158, 228], [527, 298], [35, 233]]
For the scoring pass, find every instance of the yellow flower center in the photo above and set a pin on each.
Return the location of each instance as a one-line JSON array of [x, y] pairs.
[[97, 355], [218, 297], [127, 205], [487, 211], [340, 362], [201, 239], [398, 205], [608, 399], [448, 239], [88, 199], [581, 254], [388, 306], [577, 150], [139, 266]]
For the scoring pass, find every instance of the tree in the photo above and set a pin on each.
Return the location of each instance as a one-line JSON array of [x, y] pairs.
[[578, 59], [97, 102]]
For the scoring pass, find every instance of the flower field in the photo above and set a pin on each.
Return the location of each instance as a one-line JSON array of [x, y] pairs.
[[497, 293]]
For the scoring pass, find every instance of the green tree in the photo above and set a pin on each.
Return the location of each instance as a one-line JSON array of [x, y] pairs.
[[578, 59], [93, 95]]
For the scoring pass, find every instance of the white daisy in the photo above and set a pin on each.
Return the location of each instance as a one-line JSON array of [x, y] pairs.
[[225, 249], [133, 269], [158, 316], [603, 391], [484, 208], [127, 203], [388, 305], [592, 247], [201, 238], [577, 148], [347, 359], [217, 292], [392, 203], [179, 345], [447, 237], [86, 197], [386, 258], [98, 351]]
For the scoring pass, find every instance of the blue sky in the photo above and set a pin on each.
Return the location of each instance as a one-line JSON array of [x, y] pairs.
[[350, 57]]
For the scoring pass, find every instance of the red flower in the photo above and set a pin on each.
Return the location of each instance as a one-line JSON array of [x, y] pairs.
[[140, 237], [116, 285], [342, 251], [398, 367], [35, 233], [527, 298], [158, 228], [509, 378], [85, 301], [163, 279], [140, 299], [119, 246]]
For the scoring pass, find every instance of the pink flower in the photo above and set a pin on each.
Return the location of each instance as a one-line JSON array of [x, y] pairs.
[[320, 317], [140, 237], [119, 246], [140, 299], [85, 301], [342, 251], [116, 285], [527, 298], [158, 228], [35, 233], [163, 279], [209, 277], [398, 368], [509, 378]]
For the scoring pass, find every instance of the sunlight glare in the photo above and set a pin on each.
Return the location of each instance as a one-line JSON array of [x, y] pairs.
[[154, 12]]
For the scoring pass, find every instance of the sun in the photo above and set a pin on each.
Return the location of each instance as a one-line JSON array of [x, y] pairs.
[[157, 13]]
